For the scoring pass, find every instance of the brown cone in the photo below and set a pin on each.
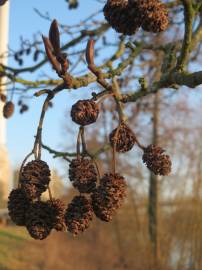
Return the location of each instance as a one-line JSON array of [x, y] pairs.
[[83, 174], [2, 2], [123, 16], [8, 109], [124, 138], [84, 112], [18, 204], [109, 196], [39, 220], [58, 212], [155, 15], [78, 215], [72, 4], [3, 97], [156, 161], [35, 178]]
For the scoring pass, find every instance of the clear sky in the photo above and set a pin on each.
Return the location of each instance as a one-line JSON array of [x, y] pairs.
[[21, 128]]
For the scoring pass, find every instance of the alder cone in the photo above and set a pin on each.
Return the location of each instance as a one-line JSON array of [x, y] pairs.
[[35, 178], [84, 112], [78, 215], [83, 174], [39, 220], [8, 109], [3, 97], [58, 212], [24, 108], [2, 2], [73, 4], [109, 196], [123, 16], [123, 138], [155, 15], [18, 204], [156, 160]]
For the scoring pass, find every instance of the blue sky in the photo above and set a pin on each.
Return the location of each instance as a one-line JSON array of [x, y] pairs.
[[22, 128]]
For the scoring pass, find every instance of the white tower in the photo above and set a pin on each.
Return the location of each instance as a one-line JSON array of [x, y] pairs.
[[4, 161]]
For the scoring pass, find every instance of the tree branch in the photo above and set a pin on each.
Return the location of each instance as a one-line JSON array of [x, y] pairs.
[[167, 81], [188, 19]]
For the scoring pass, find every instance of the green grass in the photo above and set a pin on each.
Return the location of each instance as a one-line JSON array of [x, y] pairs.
[[13, 233], [12, 240]]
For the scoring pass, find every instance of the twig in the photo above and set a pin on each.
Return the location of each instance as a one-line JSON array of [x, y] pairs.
[[96, 71], [38, 138], [23, 163], [117, 98], [188, 18], [78, 151]]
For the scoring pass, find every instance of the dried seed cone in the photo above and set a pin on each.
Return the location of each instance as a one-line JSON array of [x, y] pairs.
[[39, 220], [84, 112], [73, 4], [2, 97], [83, 175], [78, 215], [123, 16], [2, 2], [109, 196], [8, 109], [123, 138], [35, 178], [18, 204], [58, 212], [156, 160], [155, 15]]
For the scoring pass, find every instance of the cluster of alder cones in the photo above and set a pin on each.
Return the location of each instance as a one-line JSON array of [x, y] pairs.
[[127, 16], [99, 196], [26, 207], [9, 107]]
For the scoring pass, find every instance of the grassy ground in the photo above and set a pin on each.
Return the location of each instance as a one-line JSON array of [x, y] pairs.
[[13, 241], [19, 251], [59, 251]]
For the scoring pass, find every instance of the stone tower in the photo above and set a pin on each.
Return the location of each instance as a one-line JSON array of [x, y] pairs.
[[5, 171]]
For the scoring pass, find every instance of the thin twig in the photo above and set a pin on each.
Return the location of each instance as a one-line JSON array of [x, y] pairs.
[[188, 19]]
